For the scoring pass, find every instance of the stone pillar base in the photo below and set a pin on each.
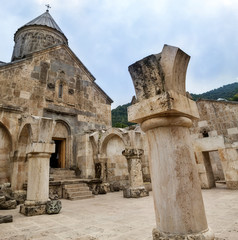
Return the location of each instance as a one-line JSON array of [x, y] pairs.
[[205, 235], [33, 208], [135, 192]]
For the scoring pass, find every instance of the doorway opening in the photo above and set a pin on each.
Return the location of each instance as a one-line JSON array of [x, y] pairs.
[[57, 159], [214, 169]]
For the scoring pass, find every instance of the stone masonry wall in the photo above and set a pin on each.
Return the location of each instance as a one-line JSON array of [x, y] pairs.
[[53, 82], [217, 118]]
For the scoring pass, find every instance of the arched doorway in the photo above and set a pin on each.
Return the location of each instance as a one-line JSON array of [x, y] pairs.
[[60, 158], [5, 149]]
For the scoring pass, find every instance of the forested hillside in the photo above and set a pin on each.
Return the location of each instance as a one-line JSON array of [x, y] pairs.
[[119, 116], [228, 92]]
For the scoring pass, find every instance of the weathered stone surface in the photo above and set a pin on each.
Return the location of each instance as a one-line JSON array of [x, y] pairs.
[[103, 188], [115, 187], [205, 235], [135, 192], [9, 204], [136, 188], [19, 196], [179, 207], [6, 219], [53, 207], [33, 208]]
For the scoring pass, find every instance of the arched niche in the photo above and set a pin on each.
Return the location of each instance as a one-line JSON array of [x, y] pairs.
[[5, 149], [19, 170], [117, 167], [62, 139]]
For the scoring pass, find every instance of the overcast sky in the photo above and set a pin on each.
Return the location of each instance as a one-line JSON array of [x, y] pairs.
[[110, 35]]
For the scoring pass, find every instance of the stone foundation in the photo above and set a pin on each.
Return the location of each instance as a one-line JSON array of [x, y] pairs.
[[135, 192], [33, 208], [232, 185], [204, 235]]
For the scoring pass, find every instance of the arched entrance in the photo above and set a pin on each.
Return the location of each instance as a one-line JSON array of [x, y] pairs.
[[5, 149], [60, 158]]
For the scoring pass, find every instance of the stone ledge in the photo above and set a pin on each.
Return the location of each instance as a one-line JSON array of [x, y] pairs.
[[168, 103]]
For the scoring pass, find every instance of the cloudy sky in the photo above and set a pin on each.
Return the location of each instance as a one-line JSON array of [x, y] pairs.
[[109, 35]]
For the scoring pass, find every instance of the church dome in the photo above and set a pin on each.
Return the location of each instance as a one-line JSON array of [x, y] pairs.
[[40, 33]]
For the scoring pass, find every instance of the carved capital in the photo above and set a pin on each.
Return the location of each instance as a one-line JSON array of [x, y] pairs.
[[130, 153]]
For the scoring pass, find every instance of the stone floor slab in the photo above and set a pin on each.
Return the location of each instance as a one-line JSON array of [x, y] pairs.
[[112, 217]]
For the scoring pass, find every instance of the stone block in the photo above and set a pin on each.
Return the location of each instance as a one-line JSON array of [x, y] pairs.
[[165, 104], [232, 131], [53, 207], [5, 219], [33, 210], [10, 204], [135, 192], [202, 124], [209, 144], [19, 196]]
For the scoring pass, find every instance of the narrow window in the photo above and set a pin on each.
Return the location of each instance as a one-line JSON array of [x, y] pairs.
[[205, 134], [60, 90]]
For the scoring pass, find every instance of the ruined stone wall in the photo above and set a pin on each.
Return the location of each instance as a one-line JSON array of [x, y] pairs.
[[117, 167], [217, 118], [216, 142]]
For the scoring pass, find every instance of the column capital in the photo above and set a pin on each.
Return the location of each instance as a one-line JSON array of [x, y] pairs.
[[132, 153], [165, 104], [40, 148], [166, 122], [159, 82]]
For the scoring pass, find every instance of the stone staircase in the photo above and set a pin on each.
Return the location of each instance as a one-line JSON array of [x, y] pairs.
[[77, 191], [58, 174], [73, 188]]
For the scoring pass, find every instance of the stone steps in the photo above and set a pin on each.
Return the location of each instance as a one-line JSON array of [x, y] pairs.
[[77, 191], [58, 174]]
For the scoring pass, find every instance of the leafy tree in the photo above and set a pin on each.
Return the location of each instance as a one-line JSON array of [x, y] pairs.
[[235, 98], [119, 116]]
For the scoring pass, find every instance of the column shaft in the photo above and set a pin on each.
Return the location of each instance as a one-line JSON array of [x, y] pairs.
[[38, 177], [177, 193]]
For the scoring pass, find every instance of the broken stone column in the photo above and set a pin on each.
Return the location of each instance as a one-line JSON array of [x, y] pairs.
[[136, 188], [165, 114], [38, 179]]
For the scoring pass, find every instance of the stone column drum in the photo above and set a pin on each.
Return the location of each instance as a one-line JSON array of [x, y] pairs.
[[38, 179], [136, 188], [165, 113]]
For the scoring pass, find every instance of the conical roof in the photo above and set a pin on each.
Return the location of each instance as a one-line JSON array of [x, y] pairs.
[[44, 19]]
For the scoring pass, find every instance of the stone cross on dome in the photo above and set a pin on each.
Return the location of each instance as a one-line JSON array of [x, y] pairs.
[[48, 7]]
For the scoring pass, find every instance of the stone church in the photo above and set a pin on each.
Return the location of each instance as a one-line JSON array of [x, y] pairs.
[[47, 96]]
